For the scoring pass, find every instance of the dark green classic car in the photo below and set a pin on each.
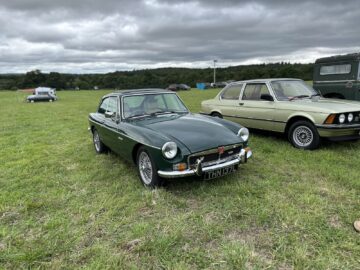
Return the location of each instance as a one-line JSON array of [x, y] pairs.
[[154, 129]]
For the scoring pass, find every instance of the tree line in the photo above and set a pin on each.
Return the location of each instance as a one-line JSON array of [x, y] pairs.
[[161, 77]]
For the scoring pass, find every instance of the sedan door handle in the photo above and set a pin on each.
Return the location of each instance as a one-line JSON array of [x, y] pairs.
[[241, 103]]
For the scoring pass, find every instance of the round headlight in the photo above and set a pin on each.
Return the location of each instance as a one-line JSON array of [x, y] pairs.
[[169, 150], [243, 134], [342, 118], [350, 117]]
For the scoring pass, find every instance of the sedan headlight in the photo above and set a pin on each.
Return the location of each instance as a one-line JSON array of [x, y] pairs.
[[342, 118], [169, 150], [350, 117], [243, 134]]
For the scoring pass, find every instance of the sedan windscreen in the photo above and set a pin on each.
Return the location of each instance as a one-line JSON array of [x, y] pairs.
[[285, 90], [148, 104]]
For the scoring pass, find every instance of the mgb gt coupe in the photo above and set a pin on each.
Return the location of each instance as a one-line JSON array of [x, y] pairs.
[[154, 129]]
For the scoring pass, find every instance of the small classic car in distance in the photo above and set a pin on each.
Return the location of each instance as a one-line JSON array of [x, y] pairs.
[[289, 106], [42, 94], [154, 129], [178, 86]]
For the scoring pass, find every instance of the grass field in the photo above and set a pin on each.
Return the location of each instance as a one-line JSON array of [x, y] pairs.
[[63, 206]]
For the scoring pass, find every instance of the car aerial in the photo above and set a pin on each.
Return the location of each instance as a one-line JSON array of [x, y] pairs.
[[289, 106], [42, 94], [154, 129]]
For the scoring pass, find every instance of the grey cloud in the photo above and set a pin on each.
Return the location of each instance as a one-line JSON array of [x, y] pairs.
[[84, 36]]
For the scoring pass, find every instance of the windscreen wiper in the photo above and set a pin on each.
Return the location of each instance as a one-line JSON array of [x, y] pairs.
[[138, 116], [166, 112], [299, 96]]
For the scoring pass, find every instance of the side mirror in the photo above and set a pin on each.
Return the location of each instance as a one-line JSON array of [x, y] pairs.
[[109, 114], [267, 97]]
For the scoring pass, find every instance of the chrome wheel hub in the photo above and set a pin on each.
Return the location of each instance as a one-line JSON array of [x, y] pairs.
[[303, 136], [145, 168]]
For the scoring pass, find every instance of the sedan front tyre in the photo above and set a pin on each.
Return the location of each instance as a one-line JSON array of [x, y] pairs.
[[303, 135]]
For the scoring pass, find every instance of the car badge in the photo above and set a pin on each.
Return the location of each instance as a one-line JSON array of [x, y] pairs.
[[221, 150]]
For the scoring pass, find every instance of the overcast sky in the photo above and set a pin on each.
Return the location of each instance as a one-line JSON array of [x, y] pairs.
[[83, 36]]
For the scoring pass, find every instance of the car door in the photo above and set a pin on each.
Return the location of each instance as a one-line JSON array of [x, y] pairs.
[[253, 109], [112, 124], [100, 120], [229, 102]]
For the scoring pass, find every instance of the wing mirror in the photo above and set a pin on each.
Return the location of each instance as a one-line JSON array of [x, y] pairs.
[[267, 97], [110, 114]]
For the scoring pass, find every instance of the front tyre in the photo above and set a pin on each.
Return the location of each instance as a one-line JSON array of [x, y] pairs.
[[147, 169], [98, 144], [303, 135], [216, 114]]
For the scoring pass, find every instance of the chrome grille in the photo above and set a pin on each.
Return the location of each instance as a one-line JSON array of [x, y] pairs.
[[212, 156]]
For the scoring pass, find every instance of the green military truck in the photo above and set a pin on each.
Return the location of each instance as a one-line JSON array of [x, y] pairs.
[[338, 76]]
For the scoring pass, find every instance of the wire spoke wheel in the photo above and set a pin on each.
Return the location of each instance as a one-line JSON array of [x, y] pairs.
[[96, 139], [303, 136], [145, 168]]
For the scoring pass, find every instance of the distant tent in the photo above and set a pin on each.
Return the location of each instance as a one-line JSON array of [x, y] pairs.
[[202, 86]]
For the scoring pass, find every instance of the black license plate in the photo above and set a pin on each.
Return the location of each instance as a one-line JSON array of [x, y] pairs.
[[219, 172]]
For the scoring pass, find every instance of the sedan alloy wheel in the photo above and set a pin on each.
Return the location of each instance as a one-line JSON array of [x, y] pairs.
[[303, 135]]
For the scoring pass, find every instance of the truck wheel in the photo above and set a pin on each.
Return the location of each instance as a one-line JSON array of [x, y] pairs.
[[50, 100], [303, 135], [147, 169], [32, 101], [98, 144]]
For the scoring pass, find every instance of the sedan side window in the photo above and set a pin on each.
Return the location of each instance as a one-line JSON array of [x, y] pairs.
[[254, 91], [232, 92], [103, 106]]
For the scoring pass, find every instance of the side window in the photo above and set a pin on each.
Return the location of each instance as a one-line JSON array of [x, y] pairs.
[[254, 91], [112, 106], [103, 106], [335, 69], [232, 92]]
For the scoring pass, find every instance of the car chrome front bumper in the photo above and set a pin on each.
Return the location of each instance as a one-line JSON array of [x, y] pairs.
[[199, 170]]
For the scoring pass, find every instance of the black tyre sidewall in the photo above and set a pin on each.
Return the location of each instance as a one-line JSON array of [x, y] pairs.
[[316, 138], [216, 114], [156, 180]]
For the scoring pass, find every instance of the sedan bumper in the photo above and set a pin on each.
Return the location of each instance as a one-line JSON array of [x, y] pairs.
[[339, 131], [199, 170]]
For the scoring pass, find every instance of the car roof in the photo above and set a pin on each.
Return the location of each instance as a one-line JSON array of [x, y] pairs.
[[264, 80], [335, 58], [138, 92]]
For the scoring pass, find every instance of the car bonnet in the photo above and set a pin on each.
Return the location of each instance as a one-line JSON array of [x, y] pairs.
[[195, 132]]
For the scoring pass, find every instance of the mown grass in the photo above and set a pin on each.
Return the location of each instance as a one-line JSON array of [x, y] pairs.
[[63, 206]]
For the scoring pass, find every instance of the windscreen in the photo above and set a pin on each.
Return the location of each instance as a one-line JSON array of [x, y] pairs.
[[285, 90], [147, 104]]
